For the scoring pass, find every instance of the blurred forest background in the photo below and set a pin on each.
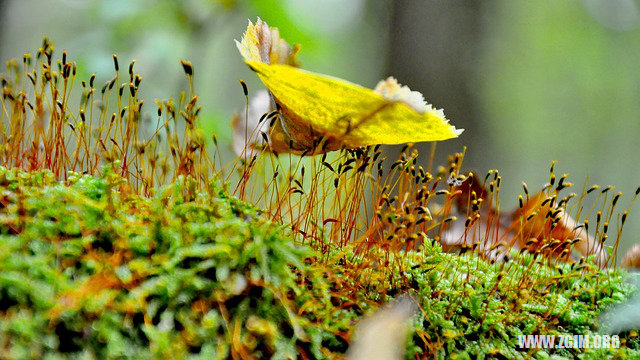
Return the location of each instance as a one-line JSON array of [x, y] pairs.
[[531, 82]]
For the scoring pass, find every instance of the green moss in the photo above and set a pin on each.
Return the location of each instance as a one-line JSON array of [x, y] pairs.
[[471, 308], [90, 269]]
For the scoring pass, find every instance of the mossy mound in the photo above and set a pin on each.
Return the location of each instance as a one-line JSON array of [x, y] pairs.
[[471, 308], [90, 269], [85, 269]]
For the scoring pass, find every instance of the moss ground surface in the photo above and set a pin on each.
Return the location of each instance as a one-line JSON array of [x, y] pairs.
[[91, 270]]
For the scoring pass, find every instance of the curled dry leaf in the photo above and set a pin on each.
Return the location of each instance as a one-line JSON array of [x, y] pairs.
[[527, 227], [631, 259], [318, 113]]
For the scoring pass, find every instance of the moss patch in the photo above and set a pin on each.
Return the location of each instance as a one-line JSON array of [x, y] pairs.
[[90, 269]]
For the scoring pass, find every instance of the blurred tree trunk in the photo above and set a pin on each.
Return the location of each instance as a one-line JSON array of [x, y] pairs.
[[432, 50]]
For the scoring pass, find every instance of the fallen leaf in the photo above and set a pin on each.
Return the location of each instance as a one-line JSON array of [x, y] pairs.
[[631, 259], [529, 226], [318, 113]]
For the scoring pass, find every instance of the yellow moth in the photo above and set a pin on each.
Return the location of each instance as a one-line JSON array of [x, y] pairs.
[[318, 113]]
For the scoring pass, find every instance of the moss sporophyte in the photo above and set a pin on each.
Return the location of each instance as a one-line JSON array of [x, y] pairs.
[[122, 234]]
